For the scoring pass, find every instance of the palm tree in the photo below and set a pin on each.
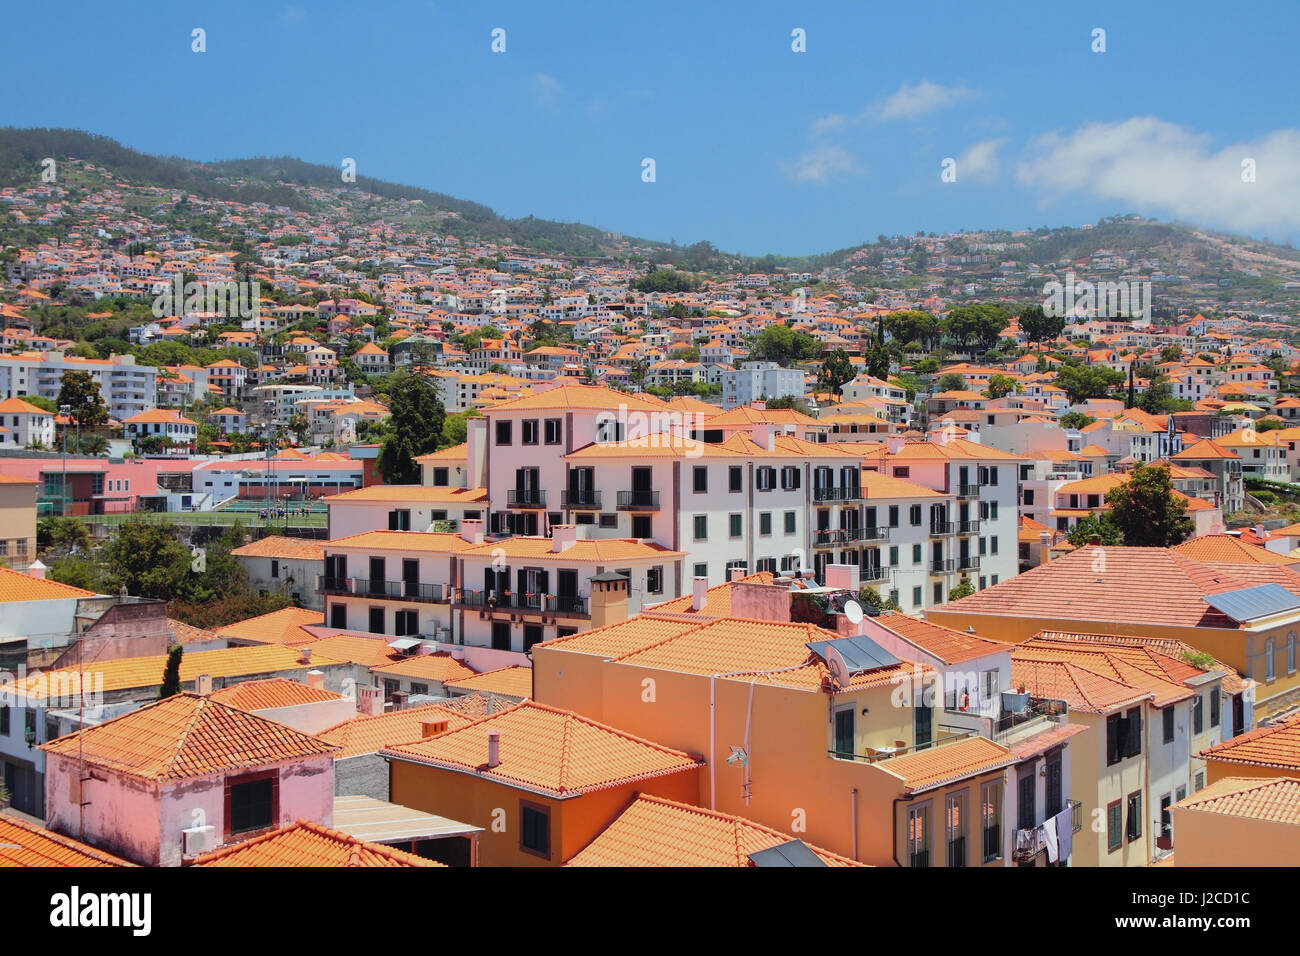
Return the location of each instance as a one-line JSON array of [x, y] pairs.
[[94, 445]]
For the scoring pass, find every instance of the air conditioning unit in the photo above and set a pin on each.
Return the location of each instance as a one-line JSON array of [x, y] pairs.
[[198, 840]]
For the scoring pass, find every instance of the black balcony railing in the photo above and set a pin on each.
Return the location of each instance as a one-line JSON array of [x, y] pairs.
[[580, 499], [330, 585], [523, 601], [834, 537], [968, 527], [970, 562], [525, 498], [400, 590], [836, 493], [941, 565], [941, 527], [871, 572], [968, 491], [638, 500]]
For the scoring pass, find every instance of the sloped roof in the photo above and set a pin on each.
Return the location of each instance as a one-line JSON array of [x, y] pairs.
[[309, 844]]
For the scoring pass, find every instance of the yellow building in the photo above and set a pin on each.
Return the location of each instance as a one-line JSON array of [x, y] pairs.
[[1240, 821], [17, 521], [1271, 751]]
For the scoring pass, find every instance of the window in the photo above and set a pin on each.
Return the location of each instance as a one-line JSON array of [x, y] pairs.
[[1198, 781], [735, 479], [1133, 830], [376, 620], [893, 516], [419, 689], [918, 836], [554, 431], [790, 477], [535, 829], [1198, 714], [275, 568], [405, 622], [993, 544], [765, 522], [441, 477], [916, 554], [791, 522], [251, 805], [701, 527], [701, 571], [654, 580], [902, 471], [1123, 735], [844, 738], [503, 432], [611, 521], [701, 480], [991, 820], [399, 519], [1029, 496], [4, 720], [1026, 810], [1167, 719], [1114, 820], [1166, 819], [1290, 653], [991, 684], [993, 512], [1214, 708], [765, 478], [1269, 670], [955, 818], [528, 431], [916, 596], [914, 515]]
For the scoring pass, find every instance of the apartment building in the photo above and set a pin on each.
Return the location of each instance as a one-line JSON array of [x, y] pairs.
[[127, 388], [24, 425]]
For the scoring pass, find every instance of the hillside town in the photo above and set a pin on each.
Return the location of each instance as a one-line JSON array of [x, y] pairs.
[[339, 534]]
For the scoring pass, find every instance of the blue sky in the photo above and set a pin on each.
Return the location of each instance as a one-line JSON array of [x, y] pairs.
[[757, 148]]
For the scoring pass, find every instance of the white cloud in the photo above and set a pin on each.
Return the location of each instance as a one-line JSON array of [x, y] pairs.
[[546, 89], [980, 162], [1147, 162], [912, 102], [820, 164]]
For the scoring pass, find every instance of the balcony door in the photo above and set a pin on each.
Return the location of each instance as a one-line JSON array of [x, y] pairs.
[[642, 485], [377, 573], [410, 577], [923, 724]]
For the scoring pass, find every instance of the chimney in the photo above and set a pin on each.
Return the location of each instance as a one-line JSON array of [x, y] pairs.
[[316, 679], [304, 655], [471, 529], [894, 444], [370, 701], [36, 569], [737, 574], [760, 404], [458, 653], [494, 749], [699, 593], [563, 537], [843, 577], [399, 699], [1094, 539], [1260, 532], [764, 435], [428, 647], [432, 728], [203, 685]]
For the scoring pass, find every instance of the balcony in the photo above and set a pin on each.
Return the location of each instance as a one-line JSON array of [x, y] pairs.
[[827, 493], [942, 527], [835, 537], [968, 491], [970, 562], [942, 566], [871, 572], [638, 500], [400, 590], [580, 499], [968, 527], [526, 498], [533, 602]]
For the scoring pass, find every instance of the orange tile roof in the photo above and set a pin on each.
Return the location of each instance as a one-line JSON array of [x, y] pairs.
[[717, 598], [368, 734], [421, 493], [129, 673], [284, 626], [282, 546], [15, 586], [948, 645], [439, 666], [273, 692], [1229, 549], [1110, 585], [936, 766], [513, 681], [367, 650], [652, 831], [16, 406], [582, 550], [27, 844], [185, 736], [309, 844], [1048, 676], [584, 397], [548, 751], [436, 542], [1276, 746], [1275, 800]]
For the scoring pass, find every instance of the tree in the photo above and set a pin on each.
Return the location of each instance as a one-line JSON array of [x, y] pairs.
[[1082, 382], [951, 382], [877, 361], [871, 597], [1147, 511], [1105, 530], [147, 558], [790, 401], [299, 425], [62, 534], [1000, 386], [171, 680], [911, 325], [977, 324], [1171, 353], [1075, 420], [1158, 399], [80, 393], [417, 418], [1038, 326], [963, 589], [784, 346], [40, 401], [836, 370]]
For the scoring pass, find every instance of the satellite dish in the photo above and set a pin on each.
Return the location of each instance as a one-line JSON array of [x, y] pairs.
[[836, 664], [853, 611]]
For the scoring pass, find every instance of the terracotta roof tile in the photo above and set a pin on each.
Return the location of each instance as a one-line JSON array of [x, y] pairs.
[[27, 844], [1274, 800], [1276, 746], [15, 586], [309, 844], [282, 546], [949, 645], [936, 766], [278, 627], [368, 734], [511, 681], [273, 692], [439, 666]]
